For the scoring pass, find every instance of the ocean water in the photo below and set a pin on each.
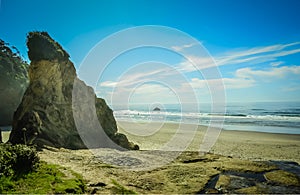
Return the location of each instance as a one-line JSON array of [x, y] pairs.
[[272, 117]]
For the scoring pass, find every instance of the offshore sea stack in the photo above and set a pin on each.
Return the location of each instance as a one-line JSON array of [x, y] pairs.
[[47, 111]]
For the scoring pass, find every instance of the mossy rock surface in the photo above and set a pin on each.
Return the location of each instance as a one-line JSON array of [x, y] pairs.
[[283, 177]]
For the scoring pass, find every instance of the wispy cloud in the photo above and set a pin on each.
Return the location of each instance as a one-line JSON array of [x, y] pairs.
[[247, 77], [256, 52], [229, 83], [108, 84], [140, 81], [274, 72], [194, 63], [274, 64], [183, 47], [135, 78], [251, 56], [260, 54]]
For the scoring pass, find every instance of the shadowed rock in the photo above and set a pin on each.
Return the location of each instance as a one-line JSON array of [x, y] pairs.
[[48, 105]]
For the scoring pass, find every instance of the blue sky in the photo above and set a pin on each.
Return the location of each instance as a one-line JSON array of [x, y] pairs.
[[255, 44]]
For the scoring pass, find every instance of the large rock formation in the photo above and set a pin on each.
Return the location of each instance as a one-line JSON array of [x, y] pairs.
[[13, 82], [45, 115]]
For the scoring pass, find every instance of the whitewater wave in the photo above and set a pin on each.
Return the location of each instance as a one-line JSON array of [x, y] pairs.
[[281, 116]]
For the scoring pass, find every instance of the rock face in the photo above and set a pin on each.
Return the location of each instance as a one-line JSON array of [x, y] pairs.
[[156, 109], [13, 82], [45, 115]]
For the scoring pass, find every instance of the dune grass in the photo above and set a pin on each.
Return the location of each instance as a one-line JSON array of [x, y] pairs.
[[21, 172], [120, 189], [46, 179]]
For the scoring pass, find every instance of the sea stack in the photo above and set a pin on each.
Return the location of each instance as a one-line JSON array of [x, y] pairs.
[[46, 110], [156, 109]]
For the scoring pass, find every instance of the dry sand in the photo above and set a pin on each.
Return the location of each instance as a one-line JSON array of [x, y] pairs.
[[167, 172], [153, 171], [241, 144]]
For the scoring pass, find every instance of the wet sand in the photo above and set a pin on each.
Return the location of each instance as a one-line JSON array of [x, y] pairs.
[[241, 144]]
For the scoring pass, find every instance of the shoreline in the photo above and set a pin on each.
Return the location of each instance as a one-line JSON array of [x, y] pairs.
[[250, 145], [231, 127], [224, 128]]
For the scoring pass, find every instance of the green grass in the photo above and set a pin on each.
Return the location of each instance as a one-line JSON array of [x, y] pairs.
[[119, 189], [283, 177], [46, 179]]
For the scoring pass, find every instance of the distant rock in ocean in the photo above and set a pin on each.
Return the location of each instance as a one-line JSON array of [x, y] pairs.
[[156, 109], [13, 81], [45, 115]]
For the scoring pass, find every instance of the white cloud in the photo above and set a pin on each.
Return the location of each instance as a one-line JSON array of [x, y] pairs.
[[259, 50], [186, 91], [275, 72], [247, 77], [183, 47], [135, 78], [108, 84], [242, 78], [252, 56], [147, 89], [238, 83], [274, 64], [266, 53], [229, 83], [194, 63]]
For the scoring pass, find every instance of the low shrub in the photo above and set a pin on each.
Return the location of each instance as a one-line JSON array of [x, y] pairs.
[[17, 159], [21, 172]]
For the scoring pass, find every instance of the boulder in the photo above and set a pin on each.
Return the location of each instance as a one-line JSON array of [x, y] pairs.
[[48, 107]]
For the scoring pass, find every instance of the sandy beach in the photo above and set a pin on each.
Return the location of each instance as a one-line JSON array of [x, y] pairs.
[[152, 171], [240, 144]]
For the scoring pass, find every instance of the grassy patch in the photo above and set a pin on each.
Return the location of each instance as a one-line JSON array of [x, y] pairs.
[[119, 189], [21, 172], [44, 180], [283, 177]]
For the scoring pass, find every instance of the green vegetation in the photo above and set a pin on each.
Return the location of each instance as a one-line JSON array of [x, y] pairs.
[[17, 159], [44, 180], [13, 81], [11, 63], [119, 189], [43, 47], [283, 177], [22, 172]]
